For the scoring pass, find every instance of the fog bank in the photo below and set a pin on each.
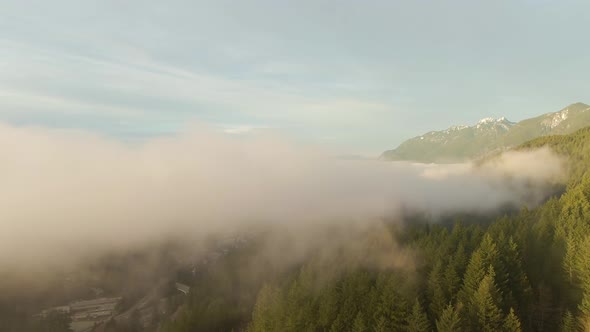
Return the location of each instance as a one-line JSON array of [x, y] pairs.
[[66, 194]]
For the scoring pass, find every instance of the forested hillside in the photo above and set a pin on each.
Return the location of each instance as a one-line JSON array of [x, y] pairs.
[[529, 272], [525, 271]]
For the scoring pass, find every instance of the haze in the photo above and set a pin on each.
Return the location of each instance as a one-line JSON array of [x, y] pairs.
[[66, 194]]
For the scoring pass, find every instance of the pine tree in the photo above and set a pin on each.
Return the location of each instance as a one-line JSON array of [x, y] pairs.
[[512, 323], [265, 310], [452, 281], [328, 307], [519, 294], [418, 321], [292, 320], [568, 323], [489, 315], [569, 260], [449, 320], [482, 258], [391, 305], [435, 290]]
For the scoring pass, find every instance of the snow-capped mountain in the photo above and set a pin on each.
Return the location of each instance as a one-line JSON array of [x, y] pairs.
[[460, 143]]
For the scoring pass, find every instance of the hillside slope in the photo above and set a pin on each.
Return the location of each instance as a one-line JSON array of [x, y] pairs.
[[528, 271]]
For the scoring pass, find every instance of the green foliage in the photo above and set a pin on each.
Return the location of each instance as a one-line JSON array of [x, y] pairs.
[[512, 324], [450, 319], [436, 289], [568, 323], [485, 304], [484, 257], [526, 271], [266, 309], [417, 320]]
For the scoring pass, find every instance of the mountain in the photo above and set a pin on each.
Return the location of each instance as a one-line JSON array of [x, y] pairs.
[[461, 143]]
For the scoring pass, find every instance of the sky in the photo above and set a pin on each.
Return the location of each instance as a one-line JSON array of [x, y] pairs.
[[357, 76]]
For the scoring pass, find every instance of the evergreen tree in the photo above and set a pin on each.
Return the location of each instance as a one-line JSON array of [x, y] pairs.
[[391, 306], [569, 260], [512, 323], [449, 320], [266, 310], [489, 315], [519, 291], [568, 323], [418, 321], [451, 279], [482, 258], [328, 307], [483, 261], [436, 292]]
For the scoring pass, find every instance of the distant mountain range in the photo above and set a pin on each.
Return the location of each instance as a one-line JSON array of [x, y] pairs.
[[461, 143]]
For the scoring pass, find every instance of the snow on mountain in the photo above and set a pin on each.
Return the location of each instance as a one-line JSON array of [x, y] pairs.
[[486, 120], [555, 119], [460, 143], [500, 122]]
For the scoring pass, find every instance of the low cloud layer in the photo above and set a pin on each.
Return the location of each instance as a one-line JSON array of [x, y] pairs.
[[66, 194]]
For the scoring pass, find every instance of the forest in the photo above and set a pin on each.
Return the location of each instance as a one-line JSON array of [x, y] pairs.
[[515, 270], [527, 270]]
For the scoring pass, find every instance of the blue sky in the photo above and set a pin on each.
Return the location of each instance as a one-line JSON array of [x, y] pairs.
[[359, 76]]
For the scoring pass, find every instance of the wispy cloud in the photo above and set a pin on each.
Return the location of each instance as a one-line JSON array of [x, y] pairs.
[[49, 81], [390, 69]]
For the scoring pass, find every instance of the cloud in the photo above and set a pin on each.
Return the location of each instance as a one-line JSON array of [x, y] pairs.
[[41, 79], [67, 194], [388, 68]]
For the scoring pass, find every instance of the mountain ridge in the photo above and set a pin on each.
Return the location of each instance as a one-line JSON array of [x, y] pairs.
[[460, 143]]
